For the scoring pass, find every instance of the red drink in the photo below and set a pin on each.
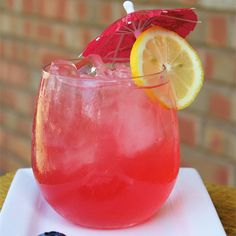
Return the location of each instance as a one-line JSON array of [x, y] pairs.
[[105, 155]]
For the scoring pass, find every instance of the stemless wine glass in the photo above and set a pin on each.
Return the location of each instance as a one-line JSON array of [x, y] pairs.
[[105, 152]]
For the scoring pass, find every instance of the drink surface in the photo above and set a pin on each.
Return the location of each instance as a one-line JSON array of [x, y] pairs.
[[104, 157]]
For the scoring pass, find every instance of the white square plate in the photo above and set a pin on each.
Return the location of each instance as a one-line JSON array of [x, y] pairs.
[[188, 212]]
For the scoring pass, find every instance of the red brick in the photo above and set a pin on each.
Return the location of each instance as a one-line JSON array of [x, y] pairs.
[[11, 163], [13, 74], [82, 10], [18, 100], [4, 68], [18, 145], [220, 139], [209, 66], [1, 48], [188, 130], [7, 98], [106, 13], [1, 120], [27, 26], [28, 6], [86, 37], [44, 31], [211, 169], [48, 55], [18, 75], [27, 53], [53, 8], [217, 143], [220, 106], [10, 3], [215, 140], [3, 138], [218, 30], [8, 53], [15, 50], [87, 10], [222, 175], [22, 48], [233, 115], [2, 135], [62, 9], [16, 123], [60, 37], [41, 6]]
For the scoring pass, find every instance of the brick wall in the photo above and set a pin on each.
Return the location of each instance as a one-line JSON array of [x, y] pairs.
[[33, 32]]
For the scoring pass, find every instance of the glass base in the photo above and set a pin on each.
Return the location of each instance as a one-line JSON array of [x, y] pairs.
[[116, 227]]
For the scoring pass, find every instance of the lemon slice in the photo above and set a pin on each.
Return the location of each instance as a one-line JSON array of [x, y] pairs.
[[158, 49]]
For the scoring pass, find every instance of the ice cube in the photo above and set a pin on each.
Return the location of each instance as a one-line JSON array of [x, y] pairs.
[[136, 122], [109, 71], [63, 68], [121, 71], [98, 66], [92, 65]]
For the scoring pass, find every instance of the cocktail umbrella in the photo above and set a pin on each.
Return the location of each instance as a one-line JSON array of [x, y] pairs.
[[115, 42]]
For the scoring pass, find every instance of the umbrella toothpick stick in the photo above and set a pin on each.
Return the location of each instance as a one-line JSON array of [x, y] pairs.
[[128, 6]]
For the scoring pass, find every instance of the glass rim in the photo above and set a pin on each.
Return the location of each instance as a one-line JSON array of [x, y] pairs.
[[118, 80]]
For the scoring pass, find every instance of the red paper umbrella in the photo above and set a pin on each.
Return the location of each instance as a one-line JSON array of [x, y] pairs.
[[115, 42]]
